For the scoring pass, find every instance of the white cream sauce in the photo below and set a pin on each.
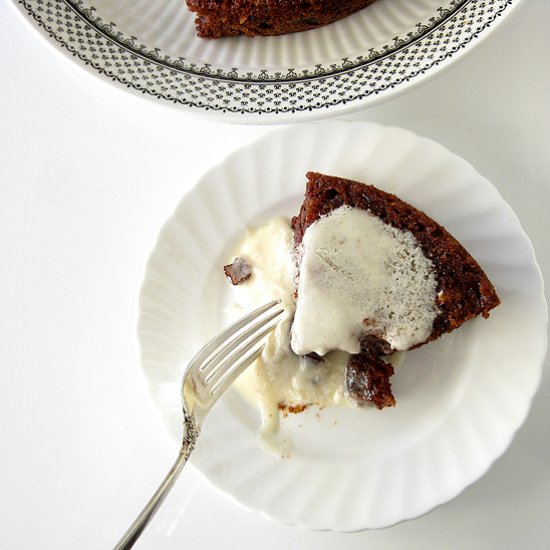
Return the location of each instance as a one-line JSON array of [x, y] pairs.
[[280, 377], [359, 275]]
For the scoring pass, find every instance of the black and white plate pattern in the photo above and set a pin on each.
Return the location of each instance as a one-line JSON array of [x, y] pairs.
[[150, 47]]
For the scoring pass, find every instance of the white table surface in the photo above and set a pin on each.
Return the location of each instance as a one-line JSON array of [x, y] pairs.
[[88, 175]]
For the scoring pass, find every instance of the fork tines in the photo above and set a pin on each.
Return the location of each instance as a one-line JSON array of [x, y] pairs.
[[235, 348]]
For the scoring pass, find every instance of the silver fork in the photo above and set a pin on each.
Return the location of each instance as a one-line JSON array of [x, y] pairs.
[[215, 367]]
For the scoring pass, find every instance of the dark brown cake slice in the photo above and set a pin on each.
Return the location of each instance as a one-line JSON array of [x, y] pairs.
[[463, 289], [217, 18]]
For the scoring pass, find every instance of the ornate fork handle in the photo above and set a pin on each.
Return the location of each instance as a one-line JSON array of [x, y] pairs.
[[190, 434]]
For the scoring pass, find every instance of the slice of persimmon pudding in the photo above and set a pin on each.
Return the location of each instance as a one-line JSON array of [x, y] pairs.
[[375, 275]]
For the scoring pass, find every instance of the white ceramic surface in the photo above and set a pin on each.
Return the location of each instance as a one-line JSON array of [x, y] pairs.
[[460, 399], [150, 47]]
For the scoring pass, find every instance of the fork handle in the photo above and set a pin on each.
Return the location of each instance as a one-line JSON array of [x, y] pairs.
[[190, 434]]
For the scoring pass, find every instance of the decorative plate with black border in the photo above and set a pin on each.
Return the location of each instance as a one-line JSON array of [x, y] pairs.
[[150, 47]]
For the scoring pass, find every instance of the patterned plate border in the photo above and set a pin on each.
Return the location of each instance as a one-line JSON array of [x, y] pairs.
[[320, 90]]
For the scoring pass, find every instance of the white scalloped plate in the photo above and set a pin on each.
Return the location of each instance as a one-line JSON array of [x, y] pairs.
[[460, 399], [150, 47]]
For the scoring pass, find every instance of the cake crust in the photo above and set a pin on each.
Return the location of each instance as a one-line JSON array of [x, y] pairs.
[[218, 18]]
